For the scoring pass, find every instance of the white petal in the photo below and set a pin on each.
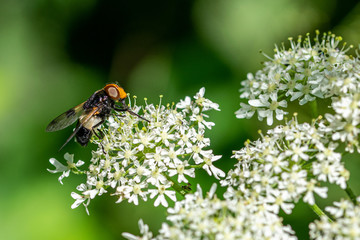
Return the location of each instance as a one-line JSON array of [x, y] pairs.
[[256, 103], [69, 157], [269, 119], [171, 195]]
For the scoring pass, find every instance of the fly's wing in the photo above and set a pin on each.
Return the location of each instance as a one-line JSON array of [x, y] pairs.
[[81, 123], [65, 119]]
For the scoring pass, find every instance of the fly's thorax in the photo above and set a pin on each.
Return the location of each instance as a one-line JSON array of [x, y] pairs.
[[98, 98]]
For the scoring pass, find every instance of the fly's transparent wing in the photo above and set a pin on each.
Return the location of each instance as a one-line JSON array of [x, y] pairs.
[[65, 119]]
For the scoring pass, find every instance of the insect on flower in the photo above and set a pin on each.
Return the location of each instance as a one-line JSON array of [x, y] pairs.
[[91, 114]]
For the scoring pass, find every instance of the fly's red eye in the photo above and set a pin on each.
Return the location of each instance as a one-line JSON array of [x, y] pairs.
[[115, 92]]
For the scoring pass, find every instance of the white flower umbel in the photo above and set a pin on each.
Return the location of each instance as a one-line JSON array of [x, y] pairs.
[[309, 69], [346, 224], [198, 217], [152, 159], [286, 165]]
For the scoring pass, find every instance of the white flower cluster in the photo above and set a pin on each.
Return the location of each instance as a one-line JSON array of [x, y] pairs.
[[346, 225], [344, 122], [285, 165], [198, 217], [304, 72], [152, 159]]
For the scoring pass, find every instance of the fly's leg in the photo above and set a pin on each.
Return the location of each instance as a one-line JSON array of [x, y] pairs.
[[120, 109], [99, 134], [131, 112]]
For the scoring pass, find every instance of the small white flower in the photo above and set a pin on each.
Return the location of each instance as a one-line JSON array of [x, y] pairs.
[[140, 171], [136, 192], [164, 136], [303, 93], [204, 102], [98, 183], [118, 176], [179, 169], [199, 118], [160, 192], [144, 141], [124, 192], [210, 168], [172, 155], [59, 167], [311, 188], [82, 199], [184, 138], [128, 154], [156, 158], [185, 104], [267, 105], [280, 199], [297, 152], [156, 177]]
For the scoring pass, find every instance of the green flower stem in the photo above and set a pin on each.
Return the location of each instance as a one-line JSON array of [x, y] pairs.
[[196, 166], [77, 171], [175, 185], [319, 212], [351, 194], [314, 109]]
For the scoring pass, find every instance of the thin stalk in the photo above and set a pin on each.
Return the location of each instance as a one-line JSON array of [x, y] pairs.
[[77, 171], [175, 185], [319, 212], [196, 166], [351, 194], [314, 109]]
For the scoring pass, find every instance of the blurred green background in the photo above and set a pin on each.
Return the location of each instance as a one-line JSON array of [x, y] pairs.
[[55, 54]]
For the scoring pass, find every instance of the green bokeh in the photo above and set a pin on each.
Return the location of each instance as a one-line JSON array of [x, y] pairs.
[[208, 43]]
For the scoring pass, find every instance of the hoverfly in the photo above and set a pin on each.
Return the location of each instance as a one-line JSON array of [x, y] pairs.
[[91, 114]]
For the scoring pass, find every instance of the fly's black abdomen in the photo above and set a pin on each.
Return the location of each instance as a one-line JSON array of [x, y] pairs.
[[83, 136]]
